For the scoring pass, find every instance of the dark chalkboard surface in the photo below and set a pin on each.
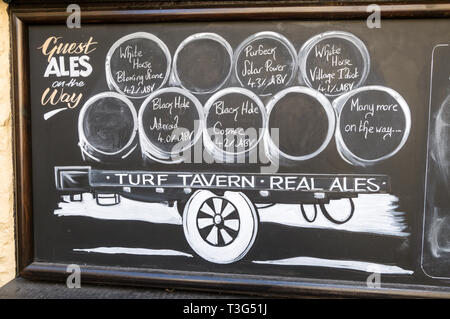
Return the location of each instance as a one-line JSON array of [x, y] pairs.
[[203, 62], [128, 171], [301, 123], [107, 126]]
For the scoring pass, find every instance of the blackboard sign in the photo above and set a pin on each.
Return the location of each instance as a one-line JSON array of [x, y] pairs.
[[436, 238], [177, 148]]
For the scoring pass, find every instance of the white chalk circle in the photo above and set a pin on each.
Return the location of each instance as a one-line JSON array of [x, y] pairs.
[[334, 63], [235, 120], [202, 63], [265, 62], [137, 65], [170, 122], [301, 123], [373, 124], [107, 127]]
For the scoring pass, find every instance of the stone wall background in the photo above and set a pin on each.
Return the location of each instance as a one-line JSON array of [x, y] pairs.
[[7, 246]]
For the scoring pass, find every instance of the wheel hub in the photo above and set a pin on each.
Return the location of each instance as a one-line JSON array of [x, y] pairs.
[[218, 221]]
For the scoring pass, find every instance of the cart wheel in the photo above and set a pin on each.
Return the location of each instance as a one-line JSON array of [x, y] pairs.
[[336, 221], [220, 229], [305, 216]]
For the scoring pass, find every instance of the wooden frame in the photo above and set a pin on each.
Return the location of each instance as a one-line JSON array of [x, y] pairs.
[[27, 267]]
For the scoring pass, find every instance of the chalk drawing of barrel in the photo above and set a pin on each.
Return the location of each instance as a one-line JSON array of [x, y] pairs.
[[202, 63], [373, 124], [265, 63], [301, 123], [137, 65], [333, 63], [107, 127], [235, 119], [170, 123]]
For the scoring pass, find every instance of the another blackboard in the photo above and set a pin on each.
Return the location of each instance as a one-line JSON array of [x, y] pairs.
[[436, 235]]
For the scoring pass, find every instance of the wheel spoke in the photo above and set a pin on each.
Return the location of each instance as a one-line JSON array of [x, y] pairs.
[[205, 222], [225, 236], [217, 205], [213, 236], [207, 209], [232, 223], [227, 210]]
